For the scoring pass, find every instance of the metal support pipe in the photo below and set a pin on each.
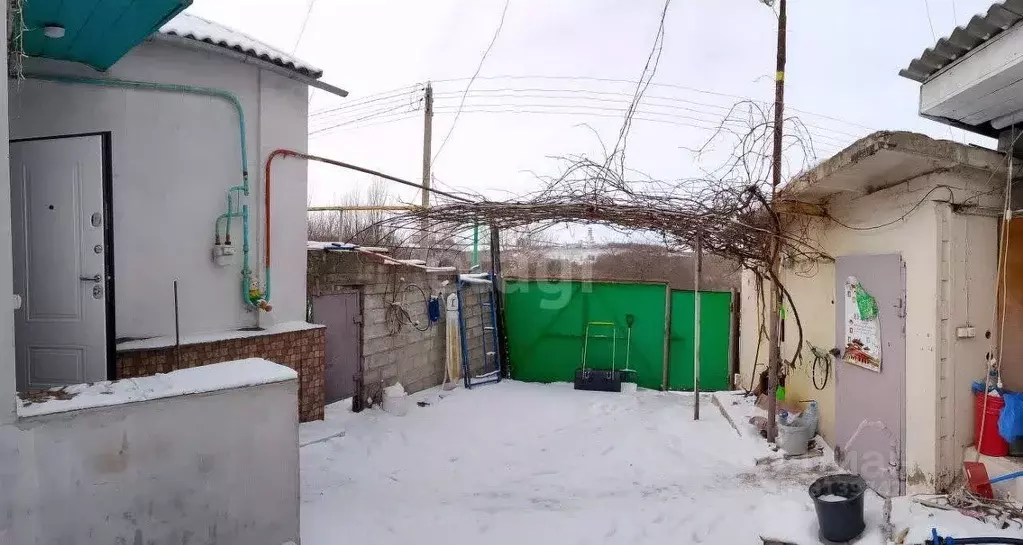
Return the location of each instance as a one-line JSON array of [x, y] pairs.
[[267, 171], [372, 208]]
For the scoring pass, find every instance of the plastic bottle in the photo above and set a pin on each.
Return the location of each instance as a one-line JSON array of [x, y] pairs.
[[811, 417]]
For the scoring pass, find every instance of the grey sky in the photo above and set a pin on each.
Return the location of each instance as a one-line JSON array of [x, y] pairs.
[[844, 57]]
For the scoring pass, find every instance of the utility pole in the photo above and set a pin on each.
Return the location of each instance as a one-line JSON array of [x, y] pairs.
[[696, 323], [424, 239], [427, 142], [774, 357]]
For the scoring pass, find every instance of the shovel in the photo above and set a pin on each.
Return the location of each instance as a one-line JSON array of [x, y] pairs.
[[978, 482]]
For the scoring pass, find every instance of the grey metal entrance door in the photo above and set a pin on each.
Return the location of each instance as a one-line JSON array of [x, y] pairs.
[[60, 271], [342, 314], [870, 407]]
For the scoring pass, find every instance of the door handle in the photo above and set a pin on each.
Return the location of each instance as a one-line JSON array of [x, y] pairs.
[[95, 278]]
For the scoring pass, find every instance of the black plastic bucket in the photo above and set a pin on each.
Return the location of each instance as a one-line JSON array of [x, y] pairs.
[[840, 512]]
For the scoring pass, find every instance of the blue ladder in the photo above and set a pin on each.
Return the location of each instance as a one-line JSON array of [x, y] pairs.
[[490, 359]]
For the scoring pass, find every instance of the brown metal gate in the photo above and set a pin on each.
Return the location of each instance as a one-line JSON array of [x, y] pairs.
[[342, 314]]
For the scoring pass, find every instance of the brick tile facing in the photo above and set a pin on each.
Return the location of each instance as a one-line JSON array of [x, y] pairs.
[[302, 351]]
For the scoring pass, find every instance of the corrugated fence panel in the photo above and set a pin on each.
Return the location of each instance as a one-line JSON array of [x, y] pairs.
[[546, 321], [715, 330]]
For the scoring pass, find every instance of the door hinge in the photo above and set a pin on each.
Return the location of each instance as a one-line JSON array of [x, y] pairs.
[[357, 319]]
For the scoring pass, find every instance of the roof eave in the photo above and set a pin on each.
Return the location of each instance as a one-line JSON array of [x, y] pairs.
[[197, 45], [965, 40], [927, 155]]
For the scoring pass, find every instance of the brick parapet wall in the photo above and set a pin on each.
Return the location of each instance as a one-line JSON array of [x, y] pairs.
[[409, 356], [302, 351]]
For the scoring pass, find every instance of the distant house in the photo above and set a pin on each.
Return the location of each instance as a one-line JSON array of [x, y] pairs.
[[145, 175], [913, 222]]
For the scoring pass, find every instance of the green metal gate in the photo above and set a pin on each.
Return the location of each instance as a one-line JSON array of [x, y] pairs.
[[715, 340], [546, 322]]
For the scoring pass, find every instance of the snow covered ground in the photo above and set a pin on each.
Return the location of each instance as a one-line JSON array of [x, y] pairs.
[[516, 463]]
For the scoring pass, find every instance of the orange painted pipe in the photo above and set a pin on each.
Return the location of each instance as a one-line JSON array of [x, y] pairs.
[[292, 153]]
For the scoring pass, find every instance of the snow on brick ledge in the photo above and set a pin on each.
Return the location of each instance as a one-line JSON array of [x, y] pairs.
[[197, 380], [202, 338]]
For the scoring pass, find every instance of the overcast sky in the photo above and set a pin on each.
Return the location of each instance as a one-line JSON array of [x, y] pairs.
[[842, 77]]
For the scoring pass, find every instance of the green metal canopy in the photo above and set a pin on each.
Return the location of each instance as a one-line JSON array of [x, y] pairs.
[[96, 32]]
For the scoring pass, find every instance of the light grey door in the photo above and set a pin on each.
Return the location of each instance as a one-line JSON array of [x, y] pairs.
[[863, 397], [59, 266], [342, 315]]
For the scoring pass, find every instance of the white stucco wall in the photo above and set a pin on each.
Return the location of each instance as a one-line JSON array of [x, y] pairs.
[[972, 275], [919, 241], [174, 470], [174, 156]]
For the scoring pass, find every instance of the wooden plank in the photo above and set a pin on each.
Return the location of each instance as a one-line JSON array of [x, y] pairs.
[[1011, 360]]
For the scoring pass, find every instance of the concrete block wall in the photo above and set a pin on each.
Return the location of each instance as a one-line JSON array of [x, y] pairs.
[[301, 350], [390, 353]]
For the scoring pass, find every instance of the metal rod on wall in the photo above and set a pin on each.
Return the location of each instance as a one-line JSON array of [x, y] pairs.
[[177, 329]]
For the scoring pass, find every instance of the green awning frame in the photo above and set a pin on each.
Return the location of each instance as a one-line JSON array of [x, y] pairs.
[[96, 32]]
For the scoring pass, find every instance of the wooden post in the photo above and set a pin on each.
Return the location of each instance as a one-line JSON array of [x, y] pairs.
[[696, 324], [774, 355]]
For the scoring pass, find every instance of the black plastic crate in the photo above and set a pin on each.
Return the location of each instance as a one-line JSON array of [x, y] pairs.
[[598, 380]]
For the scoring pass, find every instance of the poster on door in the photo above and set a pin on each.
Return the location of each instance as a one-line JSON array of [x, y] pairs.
[[862, 327]]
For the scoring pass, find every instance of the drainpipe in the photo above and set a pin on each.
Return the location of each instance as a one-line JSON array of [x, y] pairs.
[[252, 295], [475, 247]]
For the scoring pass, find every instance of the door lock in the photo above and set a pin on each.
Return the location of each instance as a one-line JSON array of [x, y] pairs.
[[97, 292], [95, 278]]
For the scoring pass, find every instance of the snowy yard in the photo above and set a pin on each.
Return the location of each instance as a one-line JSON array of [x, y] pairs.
[[517, 463]]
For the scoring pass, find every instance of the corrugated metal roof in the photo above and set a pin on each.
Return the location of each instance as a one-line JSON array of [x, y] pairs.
[[94, 33], [981, 28], [193, 27]]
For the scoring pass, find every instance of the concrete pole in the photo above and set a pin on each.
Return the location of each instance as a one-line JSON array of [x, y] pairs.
[[425, 240], [427, 143]]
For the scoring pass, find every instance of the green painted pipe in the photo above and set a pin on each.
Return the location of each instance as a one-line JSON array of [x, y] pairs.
[[244, 188], [475, 246]]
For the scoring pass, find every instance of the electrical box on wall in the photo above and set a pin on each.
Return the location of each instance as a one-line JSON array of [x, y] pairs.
[[966, 332], [223, 255]]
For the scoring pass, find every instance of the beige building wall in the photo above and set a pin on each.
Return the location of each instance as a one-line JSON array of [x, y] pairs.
[[935, 244]]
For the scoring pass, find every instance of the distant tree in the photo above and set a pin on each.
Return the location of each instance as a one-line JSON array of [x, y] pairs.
[[360, 227]]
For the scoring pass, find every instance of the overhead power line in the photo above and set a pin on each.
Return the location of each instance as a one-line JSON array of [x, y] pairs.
[[386, 99], [400, 92], [368, 116], [821, 142], [930, 22], [658, 85], [479, 67], [305, 21], [579, 106], [645, 78], [722, 110]]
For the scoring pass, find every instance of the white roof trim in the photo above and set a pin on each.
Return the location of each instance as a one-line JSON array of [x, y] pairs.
[[196, 28], [193, 32]]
